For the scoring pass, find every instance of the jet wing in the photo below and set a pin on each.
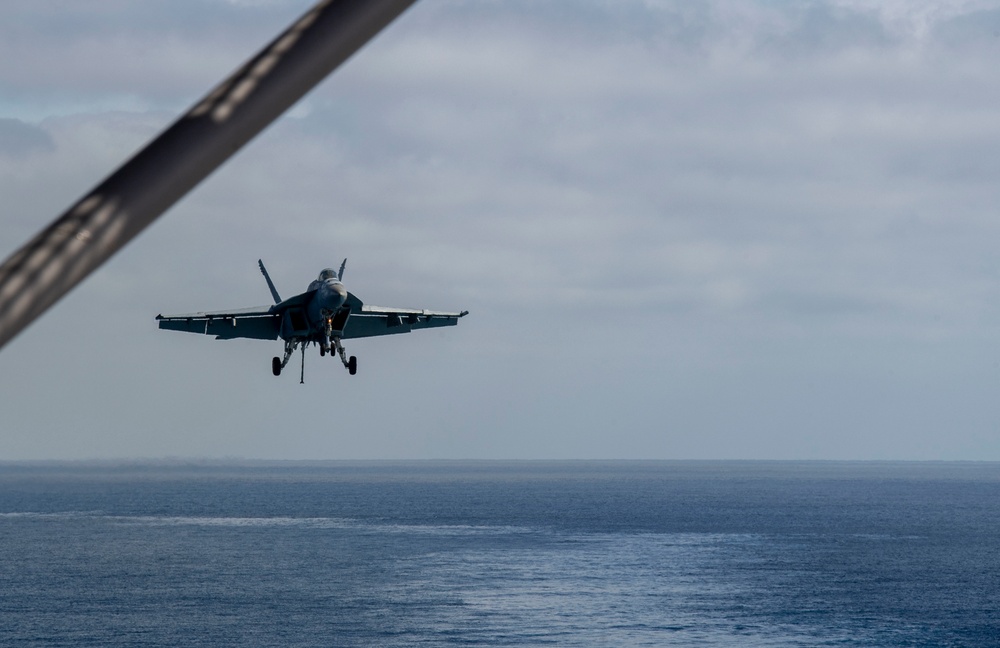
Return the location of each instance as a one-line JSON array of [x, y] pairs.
[[370, 321], [259, 323]]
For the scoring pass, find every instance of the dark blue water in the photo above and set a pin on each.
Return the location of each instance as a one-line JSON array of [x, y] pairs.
[[522, 554]]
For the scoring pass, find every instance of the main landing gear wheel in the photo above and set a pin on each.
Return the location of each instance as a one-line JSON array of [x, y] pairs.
[[276, 366], [352, 365]]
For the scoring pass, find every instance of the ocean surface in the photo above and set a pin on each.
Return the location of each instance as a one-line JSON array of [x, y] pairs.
[[500, 554]]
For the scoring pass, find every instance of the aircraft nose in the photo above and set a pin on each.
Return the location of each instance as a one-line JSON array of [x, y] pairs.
[[338, 294]]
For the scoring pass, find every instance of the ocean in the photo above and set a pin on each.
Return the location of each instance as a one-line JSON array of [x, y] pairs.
[[500, 554]]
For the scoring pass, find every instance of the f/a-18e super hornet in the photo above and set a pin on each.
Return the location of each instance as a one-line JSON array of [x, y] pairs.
[[325, 314]]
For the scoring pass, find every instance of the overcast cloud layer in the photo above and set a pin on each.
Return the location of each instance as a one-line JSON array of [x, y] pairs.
[[721, 229]]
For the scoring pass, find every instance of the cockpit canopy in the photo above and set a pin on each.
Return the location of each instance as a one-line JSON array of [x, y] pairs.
[[328, 273]]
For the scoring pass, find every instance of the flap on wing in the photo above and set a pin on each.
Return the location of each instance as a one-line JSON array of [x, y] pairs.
[[380, 310], [235, 312], [256, 323], [373, 321]]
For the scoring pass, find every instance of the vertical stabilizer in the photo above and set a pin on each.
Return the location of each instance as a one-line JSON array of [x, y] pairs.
[[274, 293], [340, 275]]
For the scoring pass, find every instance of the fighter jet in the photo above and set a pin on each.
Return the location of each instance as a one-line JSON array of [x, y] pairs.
[[325, 314]]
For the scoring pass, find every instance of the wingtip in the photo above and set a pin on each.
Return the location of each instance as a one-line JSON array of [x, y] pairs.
[[463, 313]]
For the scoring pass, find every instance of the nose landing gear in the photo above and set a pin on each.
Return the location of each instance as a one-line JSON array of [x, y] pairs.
[[326, 344]]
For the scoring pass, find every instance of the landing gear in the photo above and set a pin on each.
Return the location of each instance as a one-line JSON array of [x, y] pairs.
[[352, 364], [327, 344], [335, 348], [277, 365]]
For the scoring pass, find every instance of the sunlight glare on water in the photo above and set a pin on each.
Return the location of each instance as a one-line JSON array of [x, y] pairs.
[[576, 554]]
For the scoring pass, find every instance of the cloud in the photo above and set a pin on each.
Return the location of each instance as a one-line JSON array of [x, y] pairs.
[[916, 18], [18, 138], [663, 216], [569, 157], [125, 55]]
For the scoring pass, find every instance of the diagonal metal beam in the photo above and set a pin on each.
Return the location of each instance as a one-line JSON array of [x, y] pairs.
[[106, 219]]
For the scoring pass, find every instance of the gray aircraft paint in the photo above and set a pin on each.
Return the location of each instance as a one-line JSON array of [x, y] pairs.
[[324, 314]]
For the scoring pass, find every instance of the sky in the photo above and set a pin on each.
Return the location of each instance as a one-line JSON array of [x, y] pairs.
[[729, 229]]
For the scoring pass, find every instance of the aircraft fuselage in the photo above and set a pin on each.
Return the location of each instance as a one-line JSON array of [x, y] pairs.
[[329, 297]]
